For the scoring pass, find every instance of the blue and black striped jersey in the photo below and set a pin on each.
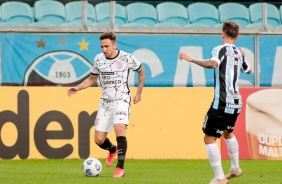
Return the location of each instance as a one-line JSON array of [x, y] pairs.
[[226, 76]]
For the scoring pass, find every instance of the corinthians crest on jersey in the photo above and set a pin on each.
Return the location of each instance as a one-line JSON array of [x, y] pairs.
[[113, 74], [120, 65]]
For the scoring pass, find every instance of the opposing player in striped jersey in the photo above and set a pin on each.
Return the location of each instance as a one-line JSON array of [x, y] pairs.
[[227, 61], [112, 66]]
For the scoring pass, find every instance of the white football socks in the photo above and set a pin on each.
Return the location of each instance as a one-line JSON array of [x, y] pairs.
[[215, 160], [233, 150]]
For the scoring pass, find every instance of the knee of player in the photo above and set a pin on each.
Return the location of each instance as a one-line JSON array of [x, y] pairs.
[[227, 135], [98, 141], [209, 139], [120, 129]]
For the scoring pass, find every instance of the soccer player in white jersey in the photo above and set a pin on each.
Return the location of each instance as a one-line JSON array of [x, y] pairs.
[[112, 66], [227, 60]]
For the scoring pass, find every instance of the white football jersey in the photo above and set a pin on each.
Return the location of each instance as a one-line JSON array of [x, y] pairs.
[[113, 74]]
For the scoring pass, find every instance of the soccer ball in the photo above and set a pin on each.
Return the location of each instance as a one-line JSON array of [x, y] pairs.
[[92, 167]]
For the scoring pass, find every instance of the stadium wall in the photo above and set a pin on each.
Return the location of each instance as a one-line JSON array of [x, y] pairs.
[[43, 122]]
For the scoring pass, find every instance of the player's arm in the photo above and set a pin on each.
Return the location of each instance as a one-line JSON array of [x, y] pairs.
[[141, 80], [92, 79], [206, 63], [246, 67]]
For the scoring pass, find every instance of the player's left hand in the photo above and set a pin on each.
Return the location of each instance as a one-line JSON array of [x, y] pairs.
[[136, 98], [242, 51]]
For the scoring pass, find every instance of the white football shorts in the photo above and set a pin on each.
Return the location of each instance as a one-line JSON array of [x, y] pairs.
[[110, 113]]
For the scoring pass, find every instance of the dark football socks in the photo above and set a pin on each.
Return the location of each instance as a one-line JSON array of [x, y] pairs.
[[107, 145], [122, 147]]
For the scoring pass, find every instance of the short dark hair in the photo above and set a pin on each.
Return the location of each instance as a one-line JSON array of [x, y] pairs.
[[108, 35], [230, 29]]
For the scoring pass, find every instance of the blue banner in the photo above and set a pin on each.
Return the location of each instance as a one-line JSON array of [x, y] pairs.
[[47, 59], [66, 59], [270, 60], [159, 54]]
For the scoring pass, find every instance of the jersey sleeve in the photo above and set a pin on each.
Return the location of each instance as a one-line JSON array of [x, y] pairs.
[[134, 64], [95, 70], [215, 55], [245, 66]]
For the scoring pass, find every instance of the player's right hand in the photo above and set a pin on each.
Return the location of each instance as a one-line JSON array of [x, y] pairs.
[[71, 91], [185, 56]]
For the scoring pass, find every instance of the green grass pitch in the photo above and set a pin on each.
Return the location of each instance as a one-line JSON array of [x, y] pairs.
[[56, 171]]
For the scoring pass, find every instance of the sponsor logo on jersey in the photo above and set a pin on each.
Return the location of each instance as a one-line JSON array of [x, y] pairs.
[[112, 82], [233, 106], [107, 73], [233, 96], [232, 54], [233, 62]]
